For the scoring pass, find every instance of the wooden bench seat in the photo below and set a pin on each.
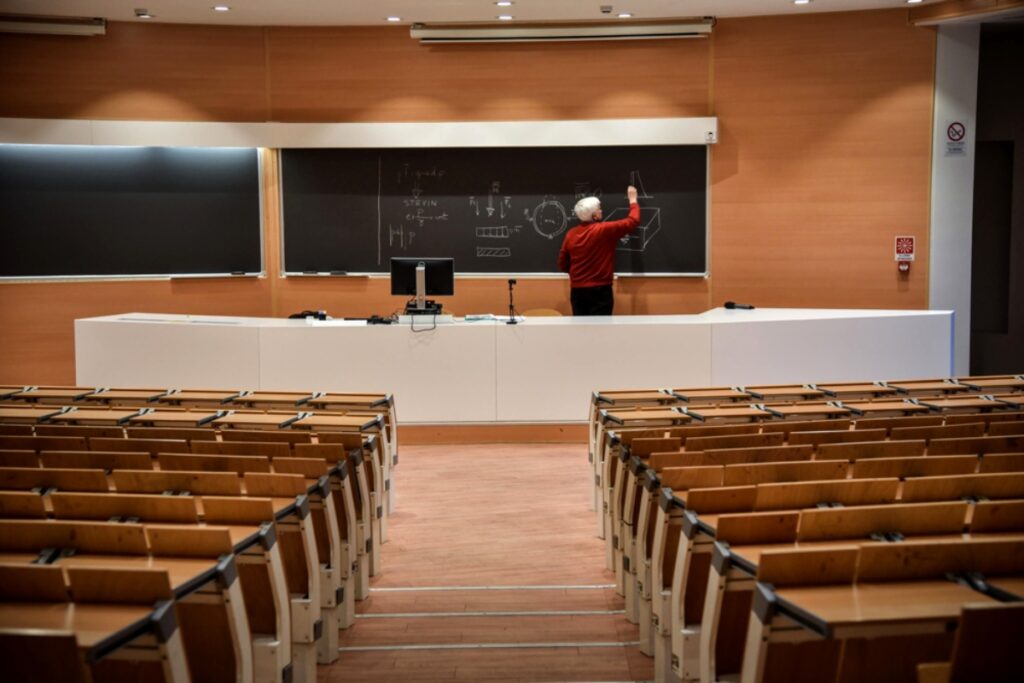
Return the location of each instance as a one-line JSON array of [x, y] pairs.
[[151, 446], [119, 621], [194, 562], [106, 460], [188, 434], [743, 539], [44, 443], [101, 431], [28, 478], [897, 592]]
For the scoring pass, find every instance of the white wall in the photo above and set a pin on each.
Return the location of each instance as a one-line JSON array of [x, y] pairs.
[[952, 203]]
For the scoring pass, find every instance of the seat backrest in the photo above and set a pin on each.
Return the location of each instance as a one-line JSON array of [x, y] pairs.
[[987, 645]]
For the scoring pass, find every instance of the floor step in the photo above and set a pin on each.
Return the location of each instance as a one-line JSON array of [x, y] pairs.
[[444, 630], [599, 597], [510, 665]]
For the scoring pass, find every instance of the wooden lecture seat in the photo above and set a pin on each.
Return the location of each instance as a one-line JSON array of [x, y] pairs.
[[728, 413], [107, 460], [741, 540], [272, 400], [988, 384], [985, 647], [928, 387], [174, 433], [193, 561], [88, 431], [51, 395], [44, 443], [850, 391], [120, 621], [287, 436], [197, 398], [125, 397], [890, 604], [94, 416], [885, 408], [697, 513], [131, 444]]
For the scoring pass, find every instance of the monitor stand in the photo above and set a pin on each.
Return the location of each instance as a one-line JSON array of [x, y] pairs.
[[428, 307]]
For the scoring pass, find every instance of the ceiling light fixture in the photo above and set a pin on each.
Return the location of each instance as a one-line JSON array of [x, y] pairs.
[[504, 3], [221, 8], [394, 19], [505, 17], [625, 15], [914, 2], [142, 13], [801, 2]]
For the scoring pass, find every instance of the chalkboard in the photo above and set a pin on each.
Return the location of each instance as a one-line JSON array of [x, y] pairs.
[[119, 211], [495, 210]]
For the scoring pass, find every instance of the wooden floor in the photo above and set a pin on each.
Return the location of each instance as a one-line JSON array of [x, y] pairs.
[[491, 572]]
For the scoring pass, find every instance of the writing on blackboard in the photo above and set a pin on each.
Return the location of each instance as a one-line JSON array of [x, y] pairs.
[[495, 210]]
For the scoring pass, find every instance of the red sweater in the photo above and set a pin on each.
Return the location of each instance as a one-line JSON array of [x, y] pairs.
[[588, 251]]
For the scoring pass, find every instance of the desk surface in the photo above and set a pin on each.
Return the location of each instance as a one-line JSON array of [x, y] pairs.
[[181, 570], [834, 607], [90, 624]]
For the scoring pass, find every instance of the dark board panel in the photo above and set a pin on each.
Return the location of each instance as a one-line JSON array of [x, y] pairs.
[[78, 211], [495, 210]]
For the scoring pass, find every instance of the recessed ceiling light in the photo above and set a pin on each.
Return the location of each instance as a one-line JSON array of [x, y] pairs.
[[394, 18], [504, 3], [625, 15], [142, 13], [801, 2], [505, 17], [913, 2], [221, 8]]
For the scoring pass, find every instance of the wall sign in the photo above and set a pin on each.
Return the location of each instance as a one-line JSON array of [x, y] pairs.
[[956, 137]]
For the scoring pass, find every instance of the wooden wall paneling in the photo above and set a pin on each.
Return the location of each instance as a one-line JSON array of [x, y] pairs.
[[823, 155], [37, 344], [166, 72], [381, 74], [823, 158]]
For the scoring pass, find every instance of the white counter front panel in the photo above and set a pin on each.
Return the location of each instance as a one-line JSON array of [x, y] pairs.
[[138, 350], [541, 370], [769, 347], [551, 366], [440, 375]]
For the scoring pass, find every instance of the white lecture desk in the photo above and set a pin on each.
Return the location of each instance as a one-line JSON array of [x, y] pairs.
[[541, 370]]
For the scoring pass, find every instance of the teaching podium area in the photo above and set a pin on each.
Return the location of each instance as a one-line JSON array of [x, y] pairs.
[[485, 371]]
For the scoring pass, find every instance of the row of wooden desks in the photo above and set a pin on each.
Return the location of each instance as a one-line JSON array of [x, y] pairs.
[[656, 549], [300, 568]]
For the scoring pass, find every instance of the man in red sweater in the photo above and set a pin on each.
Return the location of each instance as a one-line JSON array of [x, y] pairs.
[[588, 255]]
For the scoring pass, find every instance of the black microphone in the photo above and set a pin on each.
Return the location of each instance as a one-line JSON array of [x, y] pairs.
[[732, 304]]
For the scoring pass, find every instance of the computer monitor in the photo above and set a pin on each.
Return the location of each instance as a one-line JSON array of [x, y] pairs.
[[438, 279]]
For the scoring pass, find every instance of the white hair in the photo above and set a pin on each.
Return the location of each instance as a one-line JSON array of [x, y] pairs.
[[586, 207]]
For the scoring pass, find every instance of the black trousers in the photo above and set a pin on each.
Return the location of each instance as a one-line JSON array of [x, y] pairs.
[[592, 300]]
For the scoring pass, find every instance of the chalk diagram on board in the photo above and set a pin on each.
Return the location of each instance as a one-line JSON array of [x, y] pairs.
[[493, 213], [650, 219], [548, 218], [420, 211]]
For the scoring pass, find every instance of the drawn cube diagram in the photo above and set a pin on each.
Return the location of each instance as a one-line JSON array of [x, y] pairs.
[[650, 224]]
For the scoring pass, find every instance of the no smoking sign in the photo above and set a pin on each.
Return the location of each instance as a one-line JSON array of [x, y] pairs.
[[956, 138]]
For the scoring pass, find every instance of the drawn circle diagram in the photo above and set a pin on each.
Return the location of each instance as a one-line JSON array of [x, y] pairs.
[[549, 218], [956, 131]]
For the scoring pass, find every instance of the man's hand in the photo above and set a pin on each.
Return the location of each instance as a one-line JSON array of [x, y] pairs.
[[631, 193]]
